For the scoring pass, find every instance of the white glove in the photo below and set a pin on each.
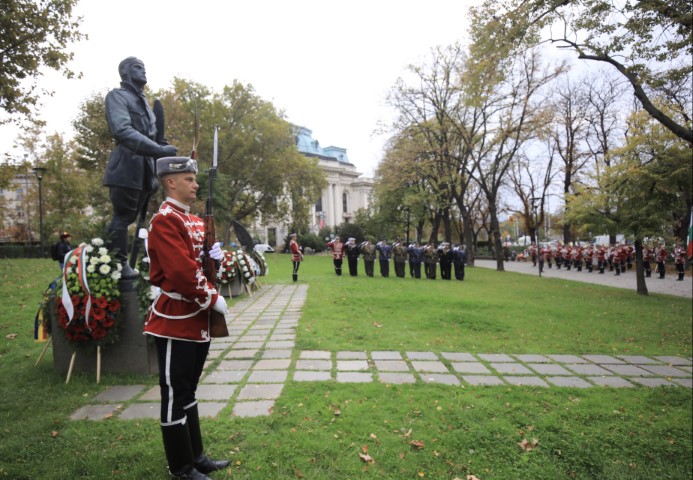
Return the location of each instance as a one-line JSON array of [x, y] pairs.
[[215, 252], [220, 305]]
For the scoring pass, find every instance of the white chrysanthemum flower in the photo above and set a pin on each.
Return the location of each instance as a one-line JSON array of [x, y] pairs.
[[245, 269], [105, 269], [115, 276], [97, 241], [88, 249], [105, 258], [119, 266], [73, 259], [91, 268]]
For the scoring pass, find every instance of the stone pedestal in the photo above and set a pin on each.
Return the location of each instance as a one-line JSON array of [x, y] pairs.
[[235, 288], [132, 353]]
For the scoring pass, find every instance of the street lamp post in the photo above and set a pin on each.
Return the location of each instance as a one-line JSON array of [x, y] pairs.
[[39, 171]]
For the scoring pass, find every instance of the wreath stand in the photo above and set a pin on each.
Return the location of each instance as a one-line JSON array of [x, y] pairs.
[[98, 365]]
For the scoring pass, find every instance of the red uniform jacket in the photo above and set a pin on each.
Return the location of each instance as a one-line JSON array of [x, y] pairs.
[[295, 251], [181, 311], [337, 249]]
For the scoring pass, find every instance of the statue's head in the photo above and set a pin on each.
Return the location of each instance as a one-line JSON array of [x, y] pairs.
[[137, 77]]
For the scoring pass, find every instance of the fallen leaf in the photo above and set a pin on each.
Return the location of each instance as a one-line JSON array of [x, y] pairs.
[[402, 455], [298, 473], [367, 459], [377, 325], [54, 433], [418, 444], [422, 474], [373, 436], [528, 446], [11, 336], [472, 477], [407, 433], [364, 449]]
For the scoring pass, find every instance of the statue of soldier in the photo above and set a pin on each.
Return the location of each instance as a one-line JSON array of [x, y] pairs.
[[131, 172]]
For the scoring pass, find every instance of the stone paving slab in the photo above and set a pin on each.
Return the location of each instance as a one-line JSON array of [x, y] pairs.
[[95, 412], [666, 371], [532, 358], [315, 355], [268, 391], [525, 381], [444, 378], [629, 370], [674, 360], [273, 364], [638, 359], [313, 364], [215, 392], [426, 366], [224, 377], [459, 357], [354, 377], [652, 382], [575, 382], [311, 376], [119, 393], [496, 357], [610, 382], [482, 380], [268, 376], [391, 365], [548, 369], [511, 368], [470, 367], [421, 356], [352, 365], [604, 359], [388, 355], [567, 359], [141, 410], [396, 378], [589, 369], [352, 356]]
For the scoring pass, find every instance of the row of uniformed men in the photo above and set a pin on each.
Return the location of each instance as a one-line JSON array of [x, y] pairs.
[[450, 258], [617, 258]]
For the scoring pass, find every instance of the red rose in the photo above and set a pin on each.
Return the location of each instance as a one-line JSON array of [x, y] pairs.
[[114, 306], [108, 321], [101, 302], [76, 299], [98, 313]]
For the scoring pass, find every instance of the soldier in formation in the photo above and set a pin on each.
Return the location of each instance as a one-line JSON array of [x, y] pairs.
[[352, 253], [399, 255], [385, 252], [337, 247], [368, 252], [415, 254]]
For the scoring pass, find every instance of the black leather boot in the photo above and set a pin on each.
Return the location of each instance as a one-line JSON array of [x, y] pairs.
[[179, 453], [680, 277], [295, 277], [119, 243], [202, 462]]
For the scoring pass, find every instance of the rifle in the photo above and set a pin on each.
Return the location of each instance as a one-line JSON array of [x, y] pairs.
[[217, 321]]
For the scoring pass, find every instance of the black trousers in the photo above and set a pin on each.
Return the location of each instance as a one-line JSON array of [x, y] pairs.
[[368, 265], [415, 269], [180, 366], [384, 267], [459, 271], [399, 269], [353, 266], [337, 265]]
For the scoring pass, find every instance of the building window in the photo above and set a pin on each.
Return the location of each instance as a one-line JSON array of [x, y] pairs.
[[318, 205], [344, 203]]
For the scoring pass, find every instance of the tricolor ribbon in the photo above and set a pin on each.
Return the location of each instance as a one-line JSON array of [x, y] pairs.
[[81, 254]]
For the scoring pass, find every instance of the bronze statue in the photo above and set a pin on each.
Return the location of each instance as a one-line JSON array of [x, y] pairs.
[[131, 171]]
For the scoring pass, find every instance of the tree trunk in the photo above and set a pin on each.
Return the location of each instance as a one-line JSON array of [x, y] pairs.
[[639, 271], [496, 235], [447, 227], [468, 235]]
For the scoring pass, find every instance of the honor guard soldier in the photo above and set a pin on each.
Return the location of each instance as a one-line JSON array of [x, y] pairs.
[[624, 257], [445, 259], [368, 252], [533, 254], [179, 318], [680, 261], [647, 257], [296, 256], [616, 256], [559, 256], [459, 260], [577, 258], [352, 253], [399, 255], [430, 258], [601, 258], [661, 257], [415, 254], [337, 247], [385, 252], [546, 255], [589, 258], [567, 252]]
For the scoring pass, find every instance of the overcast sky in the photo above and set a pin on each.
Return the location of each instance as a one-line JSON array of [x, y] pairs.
[[329, 65]]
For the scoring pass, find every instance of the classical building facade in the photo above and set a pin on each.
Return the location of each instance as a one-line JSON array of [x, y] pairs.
[[347, 191]]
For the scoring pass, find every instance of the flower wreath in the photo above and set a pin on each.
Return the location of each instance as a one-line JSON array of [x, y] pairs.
[[90, 304], [228, 268], [245, 265], [261, 262]]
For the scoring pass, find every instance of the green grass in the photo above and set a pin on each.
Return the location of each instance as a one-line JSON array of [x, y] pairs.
[[598, 433]]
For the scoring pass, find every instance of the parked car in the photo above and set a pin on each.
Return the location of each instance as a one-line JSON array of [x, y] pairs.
[[263, 248]]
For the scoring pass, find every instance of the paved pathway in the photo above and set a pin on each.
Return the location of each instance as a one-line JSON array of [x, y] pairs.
[[668, 285], [250, 368]]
